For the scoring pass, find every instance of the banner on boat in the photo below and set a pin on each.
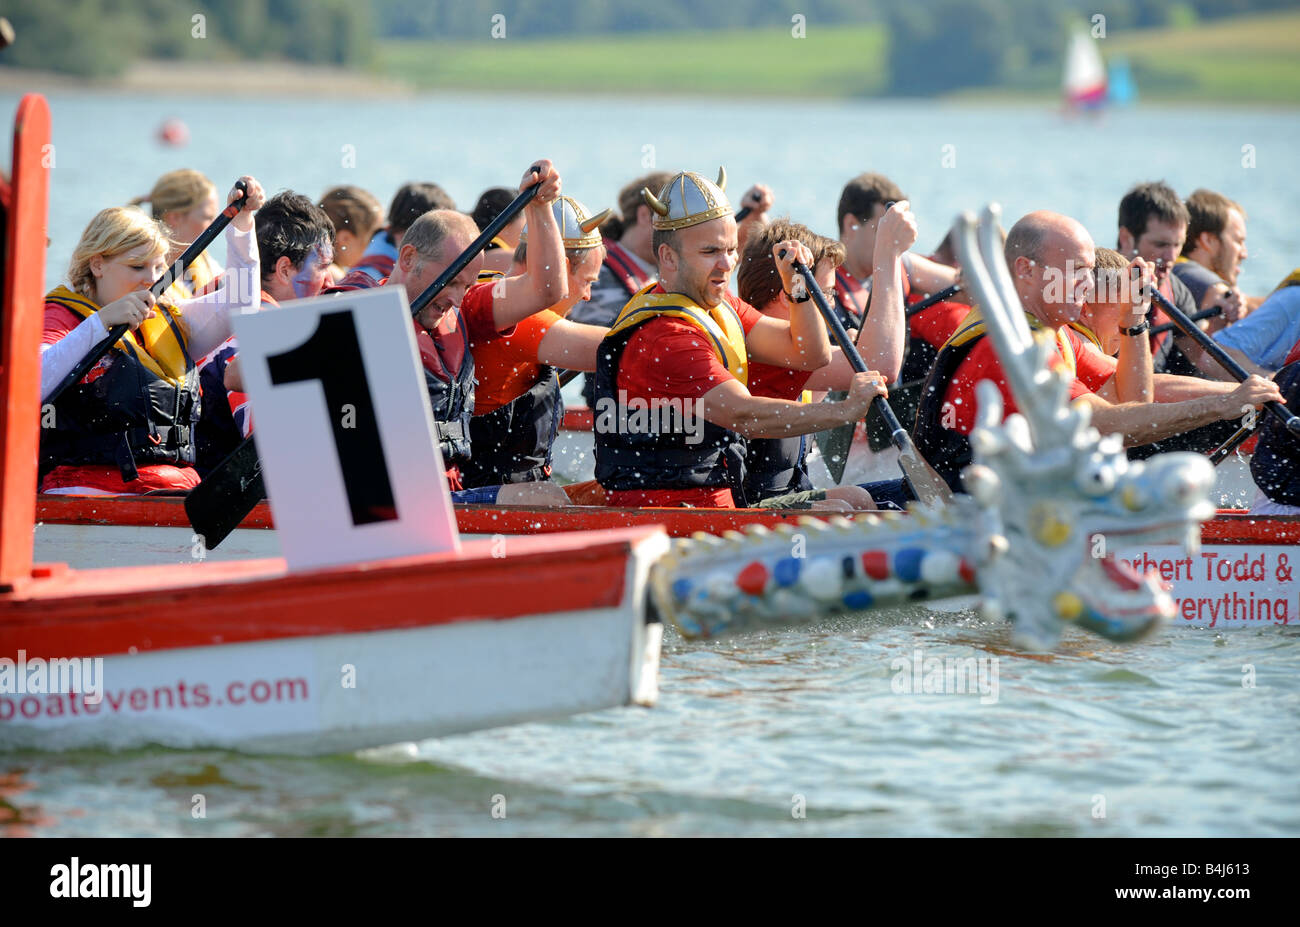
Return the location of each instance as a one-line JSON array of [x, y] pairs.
[[1227, 586]]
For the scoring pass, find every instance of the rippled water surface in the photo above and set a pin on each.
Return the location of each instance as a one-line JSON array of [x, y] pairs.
[[1155, 739]]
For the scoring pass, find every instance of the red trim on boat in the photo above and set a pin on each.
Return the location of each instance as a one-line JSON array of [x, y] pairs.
[[62, 612], [1231, 526]]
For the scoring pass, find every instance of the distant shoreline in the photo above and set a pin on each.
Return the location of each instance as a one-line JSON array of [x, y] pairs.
[[207, 78]]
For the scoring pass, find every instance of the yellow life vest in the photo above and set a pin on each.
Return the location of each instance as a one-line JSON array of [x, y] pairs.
[[1087, 333], [721, 324], [974, 325], [164, 336], [487, 276], [1291, 279]]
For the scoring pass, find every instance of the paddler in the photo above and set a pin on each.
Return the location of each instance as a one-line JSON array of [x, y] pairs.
[[185, 202], [1051, 259], [127, 426], [1213, 252], [776, 468], [357, 216], [468, 311], [294, 239], [672, 408], [517, 405], [864, 204]]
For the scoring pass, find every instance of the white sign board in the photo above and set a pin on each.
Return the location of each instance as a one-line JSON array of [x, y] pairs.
[[344, 429], [1227, 586]]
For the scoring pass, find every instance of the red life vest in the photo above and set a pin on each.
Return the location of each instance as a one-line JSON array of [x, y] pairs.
[[625, 268]]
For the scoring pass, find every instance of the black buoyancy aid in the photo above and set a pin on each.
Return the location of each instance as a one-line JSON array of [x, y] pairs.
[[140, 410], [628, 459], [776, 467], [947, 449], [512, 443], [451, 392], [1275, 465]]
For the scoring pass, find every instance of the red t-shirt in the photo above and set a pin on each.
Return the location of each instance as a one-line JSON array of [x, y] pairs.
[[1092, 369], [936, 324], [776, 382], [669, 358]]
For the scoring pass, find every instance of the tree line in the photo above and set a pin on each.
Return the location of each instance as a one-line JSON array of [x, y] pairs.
[[935, 45]]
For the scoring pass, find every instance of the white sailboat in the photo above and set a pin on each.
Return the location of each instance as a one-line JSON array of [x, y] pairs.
[[1085, 73]]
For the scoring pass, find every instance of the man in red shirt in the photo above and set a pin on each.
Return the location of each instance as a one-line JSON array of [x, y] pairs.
[[672, 409], [1051, 259], [467, 311]]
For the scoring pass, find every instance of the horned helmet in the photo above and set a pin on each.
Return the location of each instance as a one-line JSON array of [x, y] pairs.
[[688, 199], [578, 227]]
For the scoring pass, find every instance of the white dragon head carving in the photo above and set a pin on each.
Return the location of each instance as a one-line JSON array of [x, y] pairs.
[[1055, 496]]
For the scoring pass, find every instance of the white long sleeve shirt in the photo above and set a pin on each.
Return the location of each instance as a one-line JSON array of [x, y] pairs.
[[207, 317]]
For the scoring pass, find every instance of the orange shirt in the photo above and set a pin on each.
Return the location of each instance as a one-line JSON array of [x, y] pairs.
[[506, 366]]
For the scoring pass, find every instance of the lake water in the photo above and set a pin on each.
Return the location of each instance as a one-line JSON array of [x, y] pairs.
[[1161, 738], [1026, 158]]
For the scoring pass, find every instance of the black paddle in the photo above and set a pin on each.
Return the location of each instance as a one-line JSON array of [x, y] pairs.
[[927, 485], [1227, 447], [1187, 327], [946, 293], [485, 237], [228, 493], [1204, 314], [173, 273]]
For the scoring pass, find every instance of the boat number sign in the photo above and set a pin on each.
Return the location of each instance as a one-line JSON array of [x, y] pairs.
[[344, 429]]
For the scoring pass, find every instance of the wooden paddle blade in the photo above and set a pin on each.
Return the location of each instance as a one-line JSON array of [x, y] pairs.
[[221, 501]]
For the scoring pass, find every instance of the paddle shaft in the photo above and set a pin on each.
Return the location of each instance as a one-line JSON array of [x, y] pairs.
[[506, 216], [1200, 316], [898, 434], [1188, 327], [173, 273], [1227, 447], [947, 292]]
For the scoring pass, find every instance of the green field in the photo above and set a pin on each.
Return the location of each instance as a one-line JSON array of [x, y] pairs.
[[841, 62], [1248, 59]]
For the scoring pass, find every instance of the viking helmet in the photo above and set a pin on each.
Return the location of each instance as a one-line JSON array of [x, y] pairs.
[[688, 199], [578, 228]]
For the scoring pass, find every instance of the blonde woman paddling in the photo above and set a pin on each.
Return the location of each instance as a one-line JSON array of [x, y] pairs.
[[126, 427]]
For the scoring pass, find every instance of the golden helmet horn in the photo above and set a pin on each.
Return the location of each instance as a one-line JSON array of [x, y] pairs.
[[595, 221], [722, 178], [653, 201]]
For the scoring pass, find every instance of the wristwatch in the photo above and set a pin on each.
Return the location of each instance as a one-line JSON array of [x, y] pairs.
[[802, 288], [1140, 329]]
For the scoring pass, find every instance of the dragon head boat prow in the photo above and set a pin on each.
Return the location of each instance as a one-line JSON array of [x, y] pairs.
[[1071, 498], [1050, 503]]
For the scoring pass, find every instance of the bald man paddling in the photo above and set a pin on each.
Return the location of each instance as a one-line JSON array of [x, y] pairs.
[[1051, 259]]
